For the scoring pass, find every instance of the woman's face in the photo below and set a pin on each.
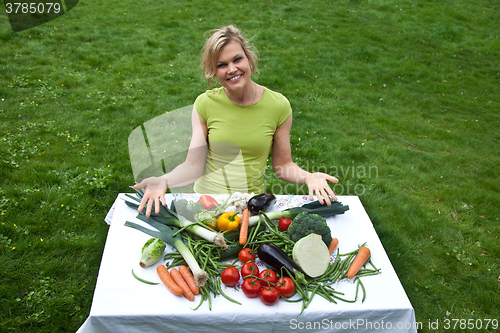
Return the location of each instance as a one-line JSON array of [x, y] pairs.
[[233, 67]]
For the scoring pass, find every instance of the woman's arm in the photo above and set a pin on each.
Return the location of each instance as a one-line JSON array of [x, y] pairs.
[[287, 170], [185, 173]]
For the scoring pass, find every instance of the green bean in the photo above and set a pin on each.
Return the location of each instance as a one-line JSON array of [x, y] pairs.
[[142, 280], [336, 275], [254, 232], [326, 275], [353, 252], [343, 299], [357, 288], [371, 263], [224, 294], [375, 271], [202, 299], [206, 260], [364, 291], [325, 294], [303, 307], [287, 299], [333, 291], [312, 295], [367, 274], [209, 301]]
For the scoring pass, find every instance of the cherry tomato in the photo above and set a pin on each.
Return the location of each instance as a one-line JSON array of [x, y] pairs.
[[251, 287], [268, 275], [269, 295], [246, 255], [285, 286], [208, 202], [230, 276], [284, 223], [249, 269]]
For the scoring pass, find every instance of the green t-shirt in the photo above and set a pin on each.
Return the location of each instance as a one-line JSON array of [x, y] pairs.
[[239, 140]]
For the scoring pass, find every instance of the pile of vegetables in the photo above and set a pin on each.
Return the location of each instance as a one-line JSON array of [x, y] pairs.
[[216, 245]]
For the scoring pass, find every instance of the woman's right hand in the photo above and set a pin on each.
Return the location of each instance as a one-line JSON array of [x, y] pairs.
[[154, 191]]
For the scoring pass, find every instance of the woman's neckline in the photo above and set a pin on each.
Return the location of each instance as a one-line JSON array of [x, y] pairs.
[[245, 105]]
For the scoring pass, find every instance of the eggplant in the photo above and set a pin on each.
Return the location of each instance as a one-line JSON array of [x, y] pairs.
[[260, 203], [275, 258]]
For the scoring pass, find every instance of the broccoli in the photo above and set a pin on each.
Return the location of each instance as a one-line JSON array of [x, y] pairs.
[[307, 223], [152, 252]]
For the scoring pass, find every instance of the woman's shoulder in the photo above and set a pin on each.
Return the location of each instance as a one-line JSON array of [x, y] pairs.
[[215, 92], [276, 97]]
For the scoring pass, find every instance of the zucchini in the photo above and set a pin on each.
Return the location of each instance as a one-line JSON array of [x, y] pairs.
[[231, 252]]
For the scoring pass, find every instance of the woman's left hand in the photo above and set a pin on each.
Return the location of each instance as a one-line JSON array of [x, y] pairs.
[[317, 183]]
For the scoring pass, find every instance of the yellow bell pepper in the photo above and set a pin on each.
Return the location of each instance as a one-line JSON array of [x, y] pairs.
[[228, 221]]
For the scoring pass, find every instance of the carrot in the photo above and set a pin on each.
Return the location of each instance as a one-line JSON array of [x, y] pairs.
[[358, 262], [244, 227], [181, 283], [333, 245], [189, 278], [168, 281]]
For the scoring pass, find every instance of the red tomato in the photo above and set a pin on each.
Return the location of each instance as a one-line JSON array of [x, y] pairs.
[[249, 269], [284, 223], [246, 255], [268, 275], [230, 276], [251, 287], [285, 286], [208, 202], [269, 295]]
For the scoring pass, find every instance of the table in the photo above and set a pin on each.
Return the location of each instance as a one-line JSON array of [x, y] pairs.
[[123, 304]]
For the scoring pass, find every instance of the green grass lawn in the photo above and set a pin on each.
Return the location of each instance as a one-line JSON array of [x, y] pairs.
[[398, 99]]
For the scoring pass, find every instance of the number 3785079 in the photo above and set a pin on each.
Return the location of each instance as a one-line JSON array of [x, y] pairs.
[[470, 324], [32, 8]]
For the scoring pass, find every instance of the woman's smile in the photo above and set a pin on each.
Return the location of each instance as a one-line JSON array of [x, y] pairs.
[[235, 78]]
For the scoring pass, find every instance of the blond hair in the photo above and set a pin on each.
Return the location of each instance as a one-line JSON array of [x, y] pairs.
[[215, 43]]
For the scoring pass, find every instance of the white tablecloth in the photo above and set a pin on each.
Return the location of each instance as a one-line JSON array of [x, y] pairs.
[[123, 304]]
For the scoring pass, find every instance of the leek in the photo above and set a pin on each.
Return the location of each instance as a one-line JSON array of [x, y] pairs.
[[167, 217], [312, 207]]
